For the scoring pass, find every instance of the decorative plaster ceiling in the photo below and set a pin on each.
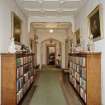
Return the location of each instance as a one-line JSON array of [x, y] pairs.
[[50, 7], [54, 25]]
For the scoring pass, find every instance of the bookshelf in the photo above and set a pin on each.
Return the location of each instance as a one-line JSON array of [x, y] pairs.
[[85, 76], [18, 75]]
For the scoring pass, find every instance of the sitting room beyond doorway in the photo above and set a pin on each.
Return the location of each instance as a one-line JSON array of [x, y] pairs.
[[51, 53]]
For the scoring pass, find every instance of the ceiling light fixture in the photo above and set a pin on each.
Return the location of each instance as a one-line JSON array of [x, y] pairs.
[[51, 30]]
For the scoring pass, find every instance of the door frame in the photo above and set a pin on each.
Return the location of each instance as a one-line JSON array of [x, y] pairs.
[[47, 46]]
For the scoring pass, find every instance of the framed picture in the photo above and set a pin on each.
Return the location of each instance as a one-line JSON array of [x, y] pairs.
[[16, 28], [77, 33], [95, 23]]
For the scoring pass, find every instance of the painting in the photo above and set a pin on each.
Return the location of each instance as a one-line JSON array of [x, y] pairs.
[[77, 33], [95, 23], [16, 28]]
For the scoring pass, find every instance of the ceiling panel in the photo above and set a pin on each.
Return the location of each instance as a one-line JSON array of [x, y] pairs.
[[50, 7], [54, 25], [71, 4], [37, 13], [51, 4], [32, 4]]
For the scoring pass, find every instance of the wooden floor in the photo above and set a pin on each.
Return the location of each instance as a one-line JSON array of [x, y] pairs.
[[71, 97]]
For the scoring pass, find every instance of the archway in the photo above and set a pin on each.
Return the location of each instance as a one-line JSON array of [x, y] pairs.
[[51, 48]]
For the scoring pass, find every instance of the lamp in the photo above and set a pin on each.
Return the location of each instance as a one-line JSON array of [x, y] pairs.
[[51, 30], [17, 31]]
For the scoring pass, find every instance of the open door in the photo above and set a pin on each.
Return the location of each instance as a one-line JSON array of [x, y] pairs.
[[51, 53]]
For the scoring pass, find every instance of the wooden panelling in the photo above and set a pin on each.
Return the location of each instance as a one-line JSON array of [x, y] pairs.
[[93, 80], [8, 67]]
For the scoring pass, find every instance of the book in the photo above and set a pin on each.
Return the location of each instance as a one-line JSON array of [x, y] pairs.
[[18, 85], [21, 71], [83, 83], [18, 98], [78, 77], [84, 73], [18, 73], [19, 61]]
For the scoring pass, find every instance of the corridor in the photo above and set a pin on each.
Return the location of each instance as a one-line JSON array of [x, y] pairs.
[[52, 52], [49, 89]]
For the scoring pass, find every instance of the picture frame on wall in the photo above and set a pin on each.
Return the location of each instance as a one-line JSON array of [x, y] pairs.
[[16, 28], [95, 23], [77, 34]]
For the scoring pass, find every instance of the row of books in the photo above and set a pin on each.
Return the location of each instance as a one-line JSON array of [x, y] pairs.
[[72, 80], [83, 73], [78, 69], [81, 78], [19, 61], [72, 72], [20, 83], [20, 72], [20, 95], [83, 94], [75, 83], [78, 60], [27, 84], [22, 80], [76, 66], [77, 76], [28, 75], [83, 83], [79, 87], [23, 90], [28, 67], [23, 60], [27, 59], [31, 79]]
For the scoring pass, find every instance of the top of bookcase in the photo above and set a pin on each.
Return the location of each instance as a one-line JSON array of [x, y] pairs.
[[85, 53], [17, 54]]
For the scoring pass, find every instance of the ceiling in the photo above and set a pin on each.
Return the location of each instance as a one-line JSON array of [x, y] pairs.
[[50, 7], [49, 25]]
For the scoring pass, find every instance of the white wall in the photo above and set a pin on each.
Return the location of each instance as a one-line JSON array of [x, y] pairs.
[[6, 6], [81, 21], [59, 35]]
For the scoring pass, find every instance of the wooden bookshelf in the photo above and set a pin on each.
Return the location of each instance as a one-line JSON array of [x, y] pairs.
[[17, 77], [85, 76]]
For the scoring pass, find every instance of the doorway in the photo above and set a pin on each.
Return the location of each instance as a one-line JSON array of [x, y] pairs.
[[51, 53]]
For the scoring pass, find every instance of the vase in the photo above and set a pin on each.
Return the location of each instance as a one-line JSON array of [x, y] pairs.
[[11, 48]]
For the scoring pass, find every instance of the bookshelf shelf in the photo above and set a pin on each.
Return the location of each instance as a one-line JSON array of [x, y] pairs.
[[18, 75], [85, 76]]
